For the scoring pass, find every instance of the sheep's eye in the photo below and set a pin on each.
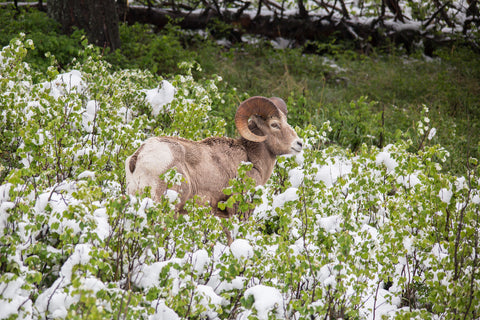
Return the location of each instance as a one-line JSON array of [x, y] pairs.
[[275, 125]]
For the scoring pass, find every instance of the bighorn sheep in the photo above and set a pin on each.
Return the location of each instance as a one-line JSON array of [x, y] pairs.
[[209, 164]]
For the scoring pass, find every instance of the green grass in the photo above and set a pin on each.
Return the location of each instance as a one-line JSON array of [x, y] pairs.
[[394, 84], [374, 99]]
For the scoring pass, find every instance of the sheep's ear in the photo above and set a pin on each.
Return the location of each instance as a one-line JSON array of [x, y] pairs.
[[257, 122]]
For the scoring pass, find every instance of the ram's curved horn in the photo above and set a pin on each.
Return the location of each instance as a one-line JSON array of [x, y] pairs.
[[260, 106], [281, 105]]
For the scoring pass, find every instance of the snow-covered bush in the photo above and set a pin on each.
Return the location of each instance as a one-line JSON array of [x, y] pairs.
[[332, 234]]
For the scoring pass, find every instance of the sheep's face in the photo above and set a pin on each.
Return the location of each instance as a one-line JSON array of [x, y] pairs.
[[281, 138]]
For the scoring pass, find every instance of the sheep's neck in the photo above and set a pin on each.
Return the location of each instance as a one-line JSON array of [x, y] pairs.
[[263, 162]]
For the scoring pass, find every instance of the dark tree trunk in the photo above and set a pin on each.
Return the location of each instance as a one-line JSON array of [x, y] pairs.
[[122, 8], [302, 11], [98, 18], [394, 7]]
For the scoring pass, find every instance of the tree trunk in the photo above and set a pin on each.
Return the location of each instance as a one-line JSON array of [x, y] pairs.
[[98, 18]]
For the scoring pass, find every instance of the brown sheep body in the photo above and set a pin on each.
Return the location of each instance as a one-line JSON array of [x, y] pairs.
[[209, 164]]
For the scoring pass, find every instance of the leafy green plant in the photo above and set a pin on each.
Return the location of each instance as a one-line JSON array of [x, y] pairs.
[[382, 232]]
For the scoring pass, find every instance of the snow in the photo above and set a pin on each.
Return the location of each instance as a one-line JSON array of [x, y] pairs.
[[55, 300], [385, 158], [296, 176], [208, 297], [237, 283], [65, 83], [379, 306], [330, 172], [330, 224], [4, 207], [282, 43], [160, 97], [81, 255], [88, 117], [289, 195], [476, 199], [266, 299], [12, 296], [445, 195], [172, 195], [200, 259], [241, 249], [87, 174], [102, 229], [147, 276], [162, 312], [408, 181]]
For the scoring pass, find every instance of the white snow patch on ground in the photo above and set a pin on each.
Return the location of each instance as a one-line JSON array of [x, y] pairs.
[[295, 176], [408, 181], [241, 249], [289, 195], [445, 195], [55, 300], [89, 115], [266, 299], [386, 159], [330, 224], [147, 276], [200, 259], [160, 97], [103, 228], [209, 297], [332, 171], [382, 304], [162, 312], [12, 296], [65, 83]]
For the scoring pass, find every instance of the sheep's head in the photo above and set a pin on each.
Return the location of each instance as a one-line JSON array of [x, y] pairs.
[[268, 124]]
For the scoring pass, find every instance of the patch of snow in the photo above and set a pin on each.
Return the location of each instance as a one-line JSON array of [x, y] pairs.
[[65, 83], [88, 116], [266, 299], [200, 259], [445, 195], [208, 298], [147, 276], [289, 195], [81, 255], [4, 207], [13, 298], [295, 176], [56, 300], [172, 195], [162, 312], [160, 97], [101, 219], [382, 304], [331, 172], [86, 175], [241, 249], [331, 224], [408, 181], [476, 199], [386, 159], [282, 43]]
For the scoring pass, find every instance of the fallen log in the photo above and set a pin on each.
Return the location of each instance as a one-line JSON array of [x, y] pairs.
[[365, 33]]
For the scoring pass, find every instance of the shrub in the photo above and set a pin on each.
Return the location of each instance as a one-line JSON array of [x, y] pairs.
[[381, 232]]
